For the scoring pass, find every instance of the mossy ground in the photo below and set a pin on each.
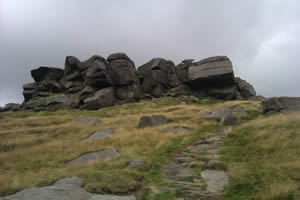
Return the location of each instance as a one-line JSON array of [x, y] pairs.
[[35, 147]]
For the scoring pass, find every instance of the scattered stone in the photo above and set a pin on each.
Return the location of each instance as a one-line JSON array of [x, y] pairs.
[[63, 189], [216, 180], [239, 111], [175, 129], [95, 156], [281, 105], [224, 116], [228, 119], [154, 120], [87, 120], [133, 164], [100, 134]]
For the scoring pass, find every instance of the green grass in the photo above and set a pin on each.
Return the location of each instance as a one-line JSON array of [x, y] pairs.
[[263, 158]]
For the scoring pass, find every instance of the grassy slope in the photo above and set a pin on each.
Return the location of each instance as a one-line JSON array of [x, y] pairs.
[[263, 158], [35, 147]]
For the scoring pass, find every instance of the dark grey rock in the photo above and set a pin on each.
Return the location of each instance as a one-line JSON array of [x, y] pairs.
[[128, 93], [117, 56], [99, 134], [102, 98], [55, 102], [245, 89], [174, 129], [188, 61], [86, 92], [154, 120], [183, 89], [63, 189], [11, 107], [228, 119], [133, 164], [46, 73], [281, 105], [95, 156], [214, 75], [87, 120], [123, 72], [155, 75]]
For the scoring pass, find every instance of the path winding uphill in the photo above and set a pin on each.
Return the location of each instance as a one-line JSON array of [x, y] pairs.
[[197, 170]]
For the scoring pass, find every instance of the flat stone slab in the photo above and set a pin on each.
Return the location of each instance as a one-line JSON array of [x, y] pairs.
[[239, 111], [100, 134], [64, 189], [86, 120], [174, 129], [216, 180], [93, 156]]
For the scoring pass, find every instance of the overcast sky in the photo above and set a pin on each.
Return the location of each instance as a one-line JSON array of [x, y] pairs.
[[262, 38]]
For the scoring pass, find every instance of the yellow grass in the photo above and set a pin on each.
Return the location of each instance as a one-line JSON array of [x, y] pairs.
[[36, 147]]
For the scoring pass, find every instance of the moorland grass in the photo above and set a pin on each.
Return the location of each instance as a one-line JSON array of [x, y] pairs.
[[35, 147]]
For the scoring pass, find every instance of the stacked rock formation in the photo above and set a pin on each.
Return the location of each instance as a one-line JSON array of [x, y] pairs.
[[99, 82]]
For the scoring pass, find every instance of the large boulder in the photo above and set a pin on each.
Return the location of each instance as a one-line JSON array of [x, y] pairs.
[[154, 76], [244, 89], [213, 75], [281, 105], [102, 98], [47, 73]]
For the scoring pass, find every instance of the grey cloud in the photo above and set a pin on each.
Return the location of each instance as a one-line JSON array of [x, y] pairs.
[[261, 37]]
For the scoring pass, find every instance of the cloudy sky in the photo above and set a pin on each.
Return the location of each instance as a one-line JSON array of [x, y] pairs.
[[261, 37]]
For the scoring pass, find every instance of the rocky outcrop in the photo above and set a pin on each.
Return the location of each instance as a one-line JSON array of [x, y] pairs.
[[63, 189], [281, 105], [99, 82]]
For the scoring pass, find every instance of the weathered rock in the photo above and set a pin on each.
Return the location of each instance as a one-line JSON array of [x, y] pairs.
[[154, 76], [239, 111], [174, 129], [228, 118], [55, 102], [128, 93], [122, 70], [86, 92], [154, 120], [63, 189], [46, 73], [95, 156], [133, 164], [224, 116], [182, 90], [102, 98], [214, 75], [100, 134], [87, 120], [245, 89], [11, 107], [30, 86], [281, 105], [215, 180], [117, 56]]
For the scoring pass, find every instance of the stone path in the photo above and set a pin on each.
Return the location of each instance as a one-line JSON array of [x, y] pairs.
[[63, 189], [196, 171]]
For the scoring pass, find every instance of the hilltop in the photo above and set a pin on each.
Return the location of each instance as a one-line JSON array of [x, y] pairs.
[[258, 154]]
